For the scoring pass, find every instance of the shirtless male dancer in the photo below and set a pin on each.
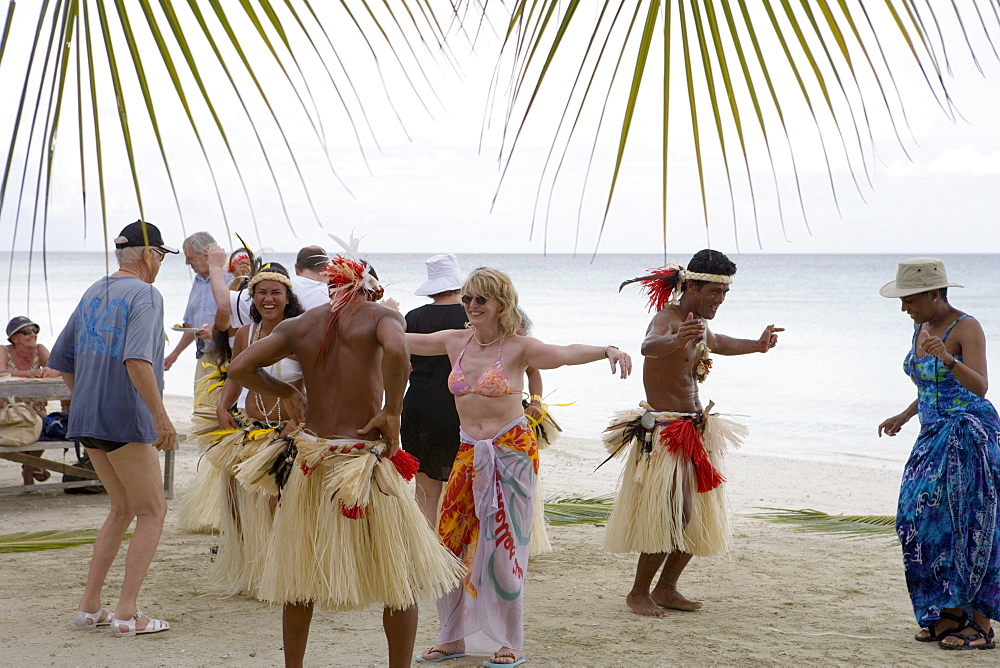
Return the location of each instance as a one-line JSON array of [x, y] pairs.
[[350, 361], [667, 522]]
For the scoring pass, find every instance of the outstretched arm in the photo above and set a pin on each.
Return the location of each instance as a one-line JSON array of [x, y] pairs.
[[544, 356], [727, 345], [391, 335], [429, 344]]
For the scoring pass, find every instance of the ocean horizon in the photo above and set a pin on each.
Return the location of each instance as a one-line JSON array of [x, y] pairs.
[[820, 394]]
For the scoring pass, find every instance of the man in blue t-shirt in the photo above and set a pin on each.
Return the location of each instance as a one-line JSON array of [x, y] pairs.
[[111, 356]]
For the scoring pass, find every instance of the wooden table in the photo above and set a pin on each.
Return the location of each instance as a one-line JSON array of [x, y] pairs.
[[55, 388]]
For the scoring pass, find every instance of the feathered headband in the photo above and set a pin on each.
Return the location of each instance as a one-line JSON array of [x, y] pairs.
[[667, 283]]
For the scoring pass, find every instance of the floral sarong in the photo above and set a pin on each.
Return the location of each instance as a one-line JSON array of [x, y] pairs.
[[948, 517], [486, 520]]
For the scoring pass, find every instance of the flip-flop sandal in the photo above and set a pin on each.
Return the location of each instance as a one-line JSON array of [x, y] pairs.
[[41, 475], [936, 636], [967, 641], [444, 655], [504, 655]]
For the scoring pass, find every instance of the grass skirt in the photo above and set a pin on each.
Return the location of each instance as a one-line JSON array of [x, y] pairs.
[[658, 506], [348, 533], [199, 509], [540, 543], [245, 524]]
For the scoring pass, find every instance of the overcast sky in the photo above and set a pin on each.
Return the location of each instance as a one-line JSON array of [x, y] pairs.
[[431, 187]]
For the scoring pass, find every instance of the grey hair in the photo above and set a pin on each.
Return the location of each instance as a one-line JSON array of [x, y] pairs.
[[129, 255], [200, 242]]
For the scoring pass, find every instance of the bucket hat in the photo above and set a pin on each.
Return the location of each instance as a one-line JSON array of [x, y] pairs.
[[918, 274], [18, 323], [442, 275]]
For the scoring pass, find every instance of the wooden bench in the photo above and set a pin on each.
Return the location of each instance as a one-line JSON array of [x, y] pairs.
[[54, 388]]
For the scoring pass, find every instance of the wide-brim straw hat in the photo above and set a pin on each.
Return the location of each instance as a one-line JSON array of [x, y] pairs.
[[918, 274], [443, 275]]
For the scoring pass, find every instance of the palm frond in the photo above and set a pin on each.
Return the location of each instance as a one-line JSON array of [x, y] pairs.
[[578, 510], [32, 541], [834, 63], [817, 521], [218, 66]]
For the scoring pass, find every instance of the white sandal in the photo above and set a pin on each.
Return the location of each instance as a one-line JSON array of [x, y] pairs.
[[88, 621], [154, 626]]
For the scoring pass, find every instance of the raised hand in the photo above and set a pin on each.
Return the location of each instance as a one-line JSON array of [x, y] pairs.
[[217, 257], [769, 338], [691, 329], [931, 345]]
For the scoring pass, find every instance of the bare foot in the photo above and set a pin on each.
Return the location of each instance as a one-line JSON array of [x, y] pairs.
[[642, 604], [448, 650], [505, 656], [675, 601]]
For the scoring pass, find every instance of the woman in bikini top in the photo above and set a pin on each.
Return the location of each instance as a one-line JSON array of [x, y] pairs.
[[491, 307], [491, 383]]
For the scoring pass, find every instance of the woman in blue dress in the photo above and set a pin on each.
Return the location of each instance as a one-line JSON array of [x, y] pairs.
[[947, 519]]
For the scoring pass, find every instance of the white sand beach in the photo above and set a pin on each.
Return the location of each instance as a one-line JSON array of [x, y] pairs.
[[780, 597]]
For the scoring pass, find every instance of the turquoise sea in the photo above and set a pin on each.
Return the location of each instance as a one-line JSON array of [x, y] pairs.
[[835, 375]]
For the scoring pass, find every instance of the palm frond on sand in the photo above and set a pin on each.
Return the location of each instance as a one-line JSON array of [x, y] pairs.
[[808, 519], [32, 541], [578, 510]]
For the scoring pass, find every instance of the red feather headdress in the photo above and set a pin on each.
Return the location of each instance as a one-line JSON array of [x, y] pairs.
[[661, 285], [350, 281]]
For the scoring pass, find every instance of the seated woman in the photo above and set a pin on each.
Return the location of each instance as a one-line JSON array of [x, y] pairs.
[[26, 358], [490, 489]]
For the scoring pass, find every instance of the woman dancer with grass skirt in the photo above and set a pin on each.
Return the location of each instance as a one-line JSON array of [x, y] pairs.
[[487, 508], [250, 430], [947, 519]]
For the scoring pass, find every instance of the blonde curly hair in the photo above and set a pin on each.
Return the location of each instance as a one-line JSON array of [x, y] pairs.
[[495, 284]]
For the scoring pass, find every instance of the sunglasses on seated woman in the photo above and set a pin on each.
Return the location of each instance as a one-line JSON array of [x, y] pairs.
[[467, 299], [28, 331]]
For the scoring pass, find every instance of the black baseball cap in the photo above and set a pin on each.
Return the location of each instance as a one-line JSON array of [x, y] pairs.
[[141, 233]]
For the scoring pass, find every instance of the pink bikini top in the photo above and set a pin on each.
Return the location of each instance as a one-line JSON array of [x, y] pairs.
[[492, 383]]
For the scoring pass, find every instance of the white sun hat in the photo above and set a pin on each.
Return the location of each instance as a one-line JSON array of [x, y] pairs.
[[443, 275]]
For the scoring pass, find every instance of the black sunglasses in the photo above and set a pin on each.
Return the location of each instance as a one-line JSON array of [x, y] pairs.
[[467, 299], [28, 331]]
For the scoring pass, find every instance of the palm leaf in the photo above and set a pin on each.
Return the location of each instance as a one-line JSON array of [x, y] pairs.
[[32, 541], [819, 522], [578, 510], [828, 69], [712, 54]]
